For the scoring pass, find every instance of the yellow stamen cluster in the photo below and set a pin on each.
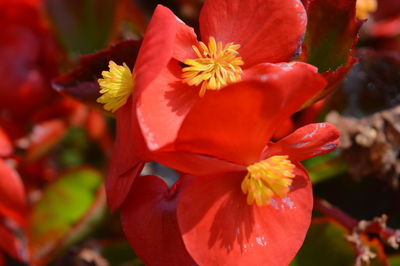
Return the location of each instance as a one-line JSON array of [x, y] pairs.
[[365, 7], [115, 86], [215, 67], [268, 178]]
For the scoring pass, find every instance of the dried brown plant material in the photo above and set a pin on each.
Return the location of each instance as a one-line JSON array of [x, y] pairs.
[[371, 145]]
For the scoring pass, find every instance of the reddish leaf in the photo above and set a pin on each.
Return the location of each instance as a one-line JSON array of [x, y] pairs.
[[81, 83], [68, 209], [330, 38], [331, 33], [12, 194], [333, 78], [5, 144], [11, 244], [44, 136]]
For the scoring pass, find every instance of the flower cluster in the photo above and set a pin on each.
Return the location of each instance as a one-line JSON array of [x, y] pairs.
[[208, 109]]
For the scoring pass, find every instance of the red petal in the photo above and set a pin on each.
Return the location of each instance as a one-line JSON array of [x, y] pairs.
[[246, 114], [268, 31], [11, 244], [306, 142], [222, 229], [166, 37], [149, 221], [196, 164], [129, 147], [118, 185], [128, 157], [163, 106], [12, 194], [286, 127]]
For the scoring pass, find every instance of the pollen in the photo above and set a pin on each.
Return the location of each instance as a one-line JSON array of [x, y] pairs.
[[268, 178], [365, 7], [115, 86], [216, 66]]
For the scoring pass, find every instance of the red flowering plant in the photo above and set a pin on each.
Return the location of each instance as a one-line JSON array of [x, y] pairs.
[[164, 91], [228, 105], [237, 213], [210, 110]]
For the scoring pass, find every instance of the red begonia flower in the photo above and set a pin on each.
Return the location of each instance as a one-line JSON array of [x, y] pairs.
[[156, 239], [220, 227], [236, 123], [161, 99], [170, 73], [216, 221]]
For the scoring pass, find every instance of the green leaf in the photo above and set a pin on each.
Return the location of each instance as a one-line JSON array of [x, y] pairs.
[[325, 167], [331, 33], [120, 253], [66, 210], [82, 26], [326, 245], [394, 260]]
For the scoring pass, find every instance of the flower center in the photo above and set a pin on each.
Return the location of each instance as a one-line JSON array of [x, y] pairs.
[[215, 67], [268, 178], [365, 7], [115, 86]]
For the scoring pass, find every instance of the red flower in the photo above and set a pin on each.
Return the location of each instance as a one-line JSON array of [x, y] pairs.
[[254, 213], [239, 38]]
